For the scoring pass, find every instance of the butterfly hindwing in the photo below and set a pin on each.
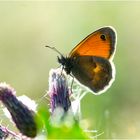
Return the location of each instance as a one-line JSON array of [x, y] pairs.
[[93, 72]]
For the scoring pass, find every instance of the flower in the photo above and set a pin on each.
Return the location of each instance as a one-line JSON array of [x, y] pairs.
[[22, 116], [58, 90], [3, 133]]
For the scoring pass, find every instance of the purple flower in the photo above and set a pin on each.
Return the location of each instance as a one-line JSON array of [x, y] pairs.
[[58, 90], [3, 133], [21, 114]]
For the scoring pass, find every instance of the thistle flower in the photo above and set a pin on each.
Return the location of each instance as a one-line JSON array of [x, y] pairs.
[[22, 116], [58, 90], [3, 133]]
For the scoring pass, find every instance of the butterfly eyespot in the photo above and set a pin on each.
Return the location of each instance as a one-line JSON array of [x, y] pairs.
[[103, 37]]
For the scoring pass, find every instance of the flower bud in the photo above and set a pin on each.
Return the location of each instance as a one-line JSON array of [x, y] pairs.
[[22, 116]]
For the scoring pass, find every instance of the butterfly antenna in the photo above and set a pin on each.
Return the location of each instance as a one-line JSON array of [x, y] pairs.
[[53, 48]]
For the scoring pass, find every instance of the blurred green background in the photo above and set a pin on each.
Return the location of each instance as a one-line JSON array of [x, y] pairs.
[[26, 27]]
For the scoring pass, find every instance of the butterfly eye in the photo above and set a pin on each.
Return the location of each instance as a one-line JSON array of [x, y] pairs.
[[103, 37]]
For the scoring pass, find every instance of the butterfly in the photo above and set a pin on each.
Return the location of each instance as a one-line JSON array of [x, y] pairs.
[[90, 62]]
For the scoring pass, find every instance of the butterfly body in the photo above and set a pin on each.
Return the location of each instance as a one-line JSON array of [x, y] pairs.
[[66, 62], [90, 62]]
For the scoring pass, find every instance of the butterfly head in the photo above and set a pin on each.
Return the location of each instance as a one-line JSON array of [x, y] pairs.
[[66, 63]]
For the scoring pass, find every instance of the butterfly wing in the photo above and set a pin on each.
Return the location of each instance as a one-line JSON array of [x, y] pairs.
[[99, 43], [93, 72], [91, 59]]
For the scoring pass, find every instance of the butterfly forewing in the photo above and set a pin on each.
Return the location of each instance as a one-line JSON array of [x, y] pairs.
[[99, 43]]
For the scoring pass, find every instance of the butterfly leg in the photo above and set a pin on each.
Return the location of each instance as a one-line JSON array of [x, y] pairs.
[[72, 83], [62, 70]]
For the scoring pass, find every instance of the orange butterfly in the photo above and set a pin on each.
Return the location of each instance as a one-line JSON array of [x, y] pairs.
[[90, 62]]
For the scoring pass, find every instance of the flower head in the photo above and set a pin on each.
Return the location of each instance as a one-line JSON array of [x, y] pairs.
[[22, 116], [58, 90], [3, 133]]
